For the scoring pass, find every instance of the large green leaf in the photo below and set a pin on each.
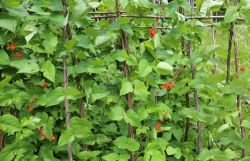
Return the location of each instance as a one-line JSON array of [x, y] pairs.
[[126, 88], [25, 66], [86, 155], [8, 24], [4, 58], [66, 137], [126, 143], [164, 68], [50, 43], [140, 90], [49, 70], [231, 14], [116, 113], [9, 124], [144, 68]]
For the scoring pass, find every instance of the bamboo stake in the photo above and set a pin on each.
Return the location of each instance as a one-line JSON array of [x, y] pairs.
[[231, 34], [125, 45], [164, 17], [196, 101], [238, 100], [67, 35], [196, 98]]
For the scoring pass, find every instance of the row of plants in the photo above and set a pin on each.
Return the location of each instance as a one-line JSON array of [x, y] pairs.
[[129, 88]]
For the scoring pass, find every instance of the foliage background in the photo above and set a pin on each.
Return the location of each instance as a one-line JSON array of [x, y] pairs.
[[95, 62]]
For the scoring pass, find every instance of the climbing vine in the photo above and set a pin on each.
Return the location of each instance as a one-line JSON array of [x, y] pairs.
[[124, 80]]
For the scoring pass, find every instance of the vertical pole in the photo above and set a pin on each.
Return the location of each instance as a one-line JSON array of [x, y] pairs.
[[196, 101], [196, 98], [67, 35], [125, 45], [238, 100], [229, 52]]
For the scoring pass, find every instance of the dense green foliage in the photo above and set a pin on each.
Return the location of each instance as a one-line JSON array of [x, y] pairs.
[[32, 92]]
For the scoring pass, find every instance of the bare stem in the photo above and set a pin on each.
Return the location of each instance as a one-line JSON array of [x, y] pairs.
[[125, 45], [238, 103], [231, 33], [67, 35], [196, 101]]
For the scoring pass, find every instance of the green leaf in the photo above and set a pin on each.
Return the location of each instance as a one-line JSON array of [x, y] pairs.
[[246, 123], [102, 39], [49, 70], [9, 124], [66, 137], [50, 43], [25, 66], [157, 41], [4, 58], [86, 155], [8, 24], [231, 14], [144, 68], [116, 113], [127, 87], [70, 44], [140, 90], [55, 96], [174, 151], [111, 157], [178, 133], [37, 9], [30, 36], [223, 127], [126, 143], [164, 68]]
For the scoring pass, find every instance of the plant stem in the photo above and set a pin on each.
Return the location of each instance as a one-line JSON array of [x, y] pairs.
[[67, 36], [238, 100], [125, 45], [196, 100], [231, 33]]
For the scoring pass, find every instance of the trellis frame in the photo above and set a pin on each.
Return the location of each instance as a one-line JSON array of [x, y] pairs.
[[118, 13]]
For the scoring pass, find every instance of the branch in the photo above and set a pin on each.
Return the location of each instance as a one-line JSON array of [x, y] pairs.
[[229, 52], [125, 45], [238, 100], [196, 100], [67, 35]]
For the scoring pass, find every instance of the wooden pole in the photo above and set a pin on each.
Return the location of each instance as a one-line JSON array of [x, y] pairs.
[[125, 45], [67, 35], [238, 99]]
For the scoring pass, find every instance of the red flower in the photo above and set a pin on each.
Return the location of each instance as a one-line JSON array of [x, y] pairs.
[[167, 86], [161, 120], [9, 38], [52, 138], [30, 109], [170, 85], [12, 47], [164, 86], [44, 85], [158, 125], [40, 129], [19, 55], [43, 136], [242, 69], [158, 23], [153, 31], [12, 56]]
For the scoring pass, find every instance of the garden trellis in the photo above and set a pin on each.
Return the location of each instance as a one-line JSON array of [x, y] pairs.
[[126, 95], [118, 13]]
